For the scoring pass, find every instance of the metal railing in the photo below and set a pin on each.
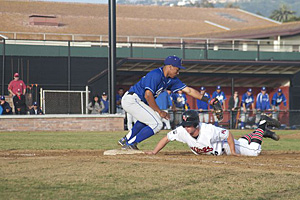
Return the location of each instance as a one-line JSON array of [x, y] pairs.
[[149, 41]]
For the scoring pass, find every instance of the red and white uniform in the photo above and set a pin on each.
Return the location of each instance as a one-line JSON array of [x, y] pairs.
[[212, 140]]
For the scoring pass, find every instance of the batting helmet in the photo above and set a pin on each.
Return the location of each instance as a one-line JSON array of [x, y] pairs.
[[190, 118]]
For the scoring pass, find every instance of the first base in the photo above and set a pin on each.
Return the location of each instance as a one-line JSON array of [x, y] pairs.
[[114, 152]]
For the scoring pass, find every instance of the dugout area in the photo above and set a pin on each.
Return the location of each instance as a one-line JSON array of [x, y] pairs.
[[231, 75], [51, 73]]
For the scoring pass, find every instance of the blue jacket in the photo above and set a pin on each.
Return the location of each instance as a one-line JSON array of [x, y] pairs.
[[263, 102], [106, 106], [247, 100], [4, 107], [278, 99]]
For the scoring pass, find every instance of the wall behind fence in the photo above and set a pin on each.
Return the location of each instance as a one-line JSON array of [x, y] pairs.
[[62, 123]]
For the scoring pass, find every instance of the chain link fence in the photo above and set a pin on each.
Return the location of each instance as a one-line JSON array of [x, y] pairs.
[[289, 119]]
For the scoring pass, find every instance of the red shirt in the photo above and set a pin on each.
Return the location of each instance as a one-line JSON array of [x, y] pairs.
[[15, 85]]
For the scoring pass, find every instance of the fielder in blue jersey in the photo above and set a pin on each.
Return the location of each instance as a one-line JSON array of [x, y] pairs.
[[262, 104], [203, 107], [139, 101], [247, 106], [220, 95], [277, 100]]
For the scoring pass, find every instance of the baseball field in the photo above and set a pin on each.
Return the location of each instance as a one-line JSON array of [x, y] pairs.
[[71, 165]]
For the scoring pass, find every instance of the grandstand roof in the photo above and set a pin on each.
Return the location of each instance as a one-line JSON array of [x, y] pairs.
[[154, 21]]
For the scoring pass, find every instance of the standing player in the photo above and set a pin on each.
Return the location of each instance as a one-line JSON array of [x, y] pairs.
[[262, 104], [247, 105], [208, 139], [277, 99], [220, 95], [203, 106], [139, 101]]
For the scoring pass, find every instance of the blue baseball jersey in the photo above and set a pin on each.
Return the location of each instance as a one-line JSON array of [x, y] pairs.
[[278, 99], [118, 98], [156, 82], [202, 104], [164, 101], [263, 102], [247, 100], [220, 96], [179, 100]]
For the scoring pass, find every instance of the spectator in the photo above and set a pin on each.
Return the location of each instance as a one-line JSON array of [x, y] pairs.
[[179, 99], [277, 99], [36, 110], [247, 106], [105, 101], [1, 110], [234, 107], [164, 103], [220, 95], [262, 104], [16, 85], [118, 101], [19, 103], [203, 106], [6, 109], [96, 106]]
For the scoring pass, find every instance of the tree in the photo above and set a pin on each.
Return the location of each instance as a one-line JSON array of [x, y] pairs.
[[283, 14], [293, 19], [202, 4], [231, 5]]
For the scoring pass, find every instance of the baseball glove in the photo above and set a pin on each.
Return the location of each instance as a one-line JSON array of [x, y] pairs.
[[215, 103]]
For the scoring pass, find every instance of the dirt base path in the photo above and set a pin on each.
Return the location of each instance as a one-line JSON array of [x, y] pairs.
[[267, 161]]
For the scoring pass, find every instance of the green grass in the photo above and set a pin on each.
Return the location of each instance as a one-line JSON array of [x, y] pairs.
[[108, 140], [168, 177]]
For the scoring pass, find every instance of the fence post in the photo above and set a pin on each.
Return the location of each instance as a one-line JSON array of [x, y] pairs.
[[86, 99], [69, 75], [131, 50], [183, 50], [206, 50], [258, 51], [41, 99], [3, 66], [44, 101]]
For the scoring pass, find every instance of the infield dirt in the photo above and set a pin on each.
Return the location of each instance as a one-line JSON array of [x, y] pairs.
[[272, 160]]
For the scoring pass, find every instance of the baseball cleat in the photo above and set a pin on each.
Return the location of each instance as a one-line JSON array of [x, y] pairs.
[[270, 121], [122, 141], [131, 146], [271, 134]]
